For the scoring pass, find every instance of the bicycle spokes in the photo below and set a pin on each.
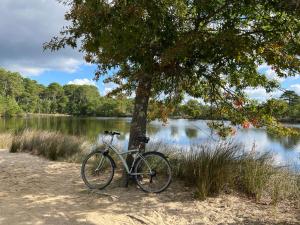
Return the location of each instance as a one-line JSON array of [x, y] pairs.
[[153, 172], [97, 170]]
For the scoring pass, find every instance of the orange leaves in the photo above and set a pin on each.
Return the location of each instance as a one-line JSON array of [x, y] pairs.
[[238, 102], [246, 124], [254, 122], [160, 110]]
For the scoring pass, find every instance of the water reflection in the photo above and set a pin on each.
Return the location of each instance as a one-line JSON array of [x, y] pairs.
[[287, 142], [179, 132], [191, 132]]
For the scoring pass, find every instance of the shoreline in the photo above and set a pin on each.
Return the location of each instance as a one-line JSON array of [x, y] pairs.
[[27, 115]]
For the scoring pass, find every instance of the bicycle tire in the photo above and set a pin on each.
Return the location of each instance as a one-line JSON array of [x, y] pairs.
[[140, 162], [111, 165]]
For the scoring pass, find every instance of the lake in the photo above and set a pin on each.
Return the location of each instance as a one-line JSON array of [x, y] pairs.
[[178, 132]]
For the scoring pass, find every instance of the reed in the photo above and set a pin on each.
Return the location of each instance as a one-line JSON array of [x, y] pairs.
[[227, 167], [52, 145], [5, 140]]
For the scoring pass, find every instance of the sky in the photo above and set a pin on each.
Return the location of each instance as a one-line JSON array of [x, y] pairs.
[[26, 24]]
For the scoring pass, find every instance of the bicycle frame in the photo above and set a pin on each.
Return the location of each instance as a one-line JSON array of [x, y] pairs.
[[110, 146]]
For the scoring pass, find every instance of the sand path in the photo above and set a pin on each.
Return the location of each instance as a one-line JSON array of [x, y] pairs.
[[34, 190]]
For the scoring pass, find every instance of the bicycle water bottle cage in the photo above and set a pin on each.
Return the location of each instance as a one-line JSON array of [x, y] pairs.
[[143, 139]]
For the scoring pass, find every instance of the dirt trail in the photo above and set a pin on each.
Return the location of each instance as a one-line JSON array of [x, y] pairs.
[[34, 190]]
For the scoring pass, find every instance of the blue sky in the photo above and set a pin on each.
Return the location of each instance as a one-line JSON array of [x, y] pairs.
[[26, 24], [84, 74]]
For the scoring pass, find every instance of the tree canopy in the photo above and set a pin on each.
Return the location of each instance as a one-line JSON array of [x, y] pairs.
[[206, 49]]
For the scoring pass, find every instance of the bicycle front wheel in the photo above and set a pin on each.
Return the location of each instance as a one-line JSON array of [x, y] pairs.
[[97, 170], [153, 172]]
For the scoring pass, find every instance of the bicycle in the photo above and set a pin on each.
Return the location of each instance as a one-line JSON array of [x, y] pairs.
[[151, 170]]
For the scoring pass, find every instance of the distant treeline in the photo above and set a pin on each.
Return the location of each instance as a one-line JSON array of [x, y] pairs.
[[285, 109], [19, 95]]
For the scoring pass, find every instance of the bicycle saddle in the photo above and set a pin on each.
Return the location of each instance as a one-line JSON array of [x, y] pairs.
[[143, 139]]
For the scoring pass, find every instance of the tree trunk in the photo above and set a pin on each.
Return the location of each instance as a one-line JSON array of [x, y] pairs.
[[139, 120]]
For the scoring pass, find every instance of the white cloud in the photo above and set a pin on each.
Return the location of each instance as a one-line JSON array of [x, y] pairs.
[[25, 25], [108, 87], [270, 73], [69, 65], [83, 81], [26, 71], [296, 88], [261, 95]]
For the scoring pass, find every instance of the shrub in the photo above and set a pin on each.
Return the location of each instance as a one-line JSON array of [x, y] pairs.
[[283, 184]]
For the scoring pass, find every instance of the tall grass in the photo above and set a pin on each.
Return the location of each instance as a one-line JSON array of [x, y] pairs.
[[209, 169], [254, 173], [5, 140], [52, 145], [227, 167]]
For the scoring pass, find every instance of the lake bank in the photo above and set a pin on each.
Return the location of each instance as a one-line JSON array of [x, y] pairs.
[[36, 190], [209, 169], [283, 120], [177, 133]]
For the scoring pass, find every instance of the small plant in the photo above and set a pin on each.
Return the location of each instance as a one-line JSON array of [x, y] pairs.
[[283, 185]]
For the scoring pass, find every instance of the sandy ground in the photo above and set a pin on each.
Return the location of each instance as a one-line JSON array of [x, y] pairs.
[[36, 191]]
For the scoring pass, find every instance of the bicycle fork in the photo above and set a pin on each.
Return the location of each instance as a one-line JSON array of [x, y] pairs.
[[100, 164]]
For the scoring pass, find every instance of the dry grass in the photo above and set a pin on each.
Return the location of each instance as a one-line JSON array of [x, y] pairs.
[[5, 140], [210, 169], [227, 167], [52, 145]]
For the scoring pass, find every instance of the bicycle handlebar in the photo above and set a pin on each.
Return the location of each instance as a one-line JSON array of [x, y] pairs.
[[112, 133]]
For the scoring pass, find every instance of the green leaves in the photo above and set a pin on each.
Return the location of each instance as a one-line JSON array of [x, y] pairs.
[[202, 48], [22, 95]]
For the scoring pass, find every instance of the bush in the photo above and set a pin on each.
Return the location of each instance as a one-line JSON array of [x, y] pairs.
[[211, 170]]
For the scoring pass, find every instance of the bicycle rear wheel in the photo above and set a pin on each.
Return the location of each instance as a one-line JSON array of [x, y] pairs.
[[97, 170], [153, 172]]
